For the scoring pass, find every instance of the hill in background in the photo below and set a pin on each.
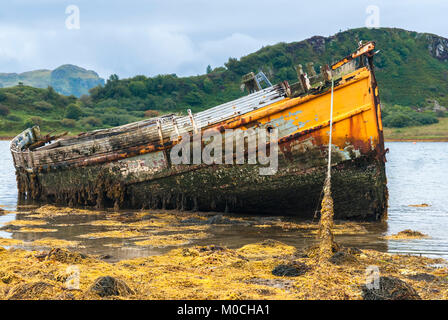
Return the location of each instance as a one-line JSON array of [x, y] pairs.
[[66, 79], [411, 68]]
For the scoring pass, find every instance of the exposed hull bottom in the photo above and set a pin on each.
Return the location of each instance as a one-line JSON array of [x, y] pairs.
[[359, 189]]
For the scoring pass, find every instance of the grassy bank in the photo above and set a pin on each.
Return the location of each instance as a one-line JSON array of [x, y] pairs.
[[433, 132]]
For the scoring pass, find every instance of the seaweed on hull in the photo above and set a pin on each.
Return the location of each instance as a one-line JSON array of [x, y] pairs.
[[132, 166]]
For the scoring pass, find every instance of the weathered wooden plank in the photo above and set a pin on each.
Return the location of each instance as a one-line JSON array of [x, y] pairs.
[[106, 142]]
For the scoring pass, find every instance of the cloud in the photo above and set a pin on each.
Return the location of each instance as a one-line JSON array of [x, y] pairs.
[[19, 46], [126, 51], [183, 36], [235, 45]]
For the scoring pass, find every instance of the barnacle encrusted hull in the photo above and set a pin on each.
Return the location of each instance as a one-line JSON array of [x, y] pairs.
[[133, 167], [359, 189]]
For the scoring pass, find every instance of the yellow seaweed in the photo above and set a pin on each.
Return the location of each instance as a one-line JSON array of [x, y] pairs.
[[20, 223], [171, 240], [208, 273], [52, 242], [407, 234]]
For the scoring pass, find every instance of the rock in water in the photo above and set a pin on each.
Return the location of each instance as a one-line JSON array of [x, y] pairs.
[[389, 288], [219, 219], [109, 286]]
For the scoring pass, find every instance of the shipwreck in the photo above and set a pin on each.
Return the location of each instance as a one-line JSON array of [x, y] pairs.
[[132, 166]]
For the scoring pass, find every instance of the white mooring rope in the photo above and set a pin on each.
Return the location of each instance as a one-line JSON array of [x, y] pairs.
[[331, 130]]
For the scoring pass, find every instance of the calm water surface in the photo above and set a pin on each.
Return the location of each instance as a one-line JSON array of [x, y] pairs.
[[417, 174]]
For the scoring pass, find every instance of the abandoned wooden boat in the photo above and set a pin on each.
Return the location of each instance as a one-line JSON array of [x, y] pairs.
[[132, 167]]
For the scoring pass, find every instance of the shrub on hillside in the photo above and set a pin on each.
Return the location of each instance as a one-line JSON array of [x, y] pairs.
[[11, 126], [424, 118], [73, 111], [68, 123], [86, 101], [4, 110], [42, 105], [34, 121], [92, 121], [398, 120], [441, 114], [116, 120], [3, 96], [151, 113], [14, 118], [400, 117], [193, 98], [169, 104], [12, 98], [138, 88]]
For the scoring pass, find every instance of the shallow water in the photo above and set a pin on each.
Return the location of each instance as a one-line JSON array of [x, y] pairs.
[[416, 172]]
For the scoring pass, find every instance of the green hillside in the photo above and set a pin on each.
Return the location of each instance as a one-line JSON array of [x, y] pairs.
[[412, 71], [66, 79]]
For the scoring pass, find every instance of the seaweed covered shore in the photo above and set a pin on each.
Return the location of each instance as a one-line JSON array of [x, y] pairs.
[[266, 270], [49, 267]]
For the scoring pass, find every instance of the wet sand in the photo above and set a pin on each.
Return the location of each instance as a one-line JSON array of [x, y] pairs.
[[132, 234]]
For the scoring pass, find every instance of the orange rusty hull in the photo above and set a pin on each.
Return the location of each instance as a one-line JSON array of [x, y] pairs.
[[356, 121]]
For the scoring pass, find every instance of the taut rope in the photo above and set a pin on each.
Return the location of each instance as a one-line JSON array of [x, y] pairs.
[[331, 130]]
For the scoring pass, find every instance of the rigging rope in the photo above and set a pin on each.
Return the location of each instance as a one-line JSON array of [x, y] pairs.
[[331, 130]]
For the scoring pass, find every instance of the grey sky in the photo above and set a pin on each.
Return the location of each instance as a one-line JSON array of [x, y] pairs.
[[173, 36]]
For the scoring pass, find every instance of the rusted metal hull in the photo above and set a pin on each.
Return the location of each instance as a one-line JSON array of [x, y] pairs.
[[142, 175]]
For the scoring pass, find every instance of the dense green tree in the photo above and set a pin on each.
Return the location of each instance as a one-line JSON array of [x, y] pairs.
[[73, 111], [138, 88], [169, 104], [207, 85], [194, 98], [50, 93], [113, 78]]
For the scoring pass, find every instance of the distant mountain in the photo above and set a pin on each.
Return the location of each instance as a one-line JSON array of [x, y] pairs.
[[67, 79]]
